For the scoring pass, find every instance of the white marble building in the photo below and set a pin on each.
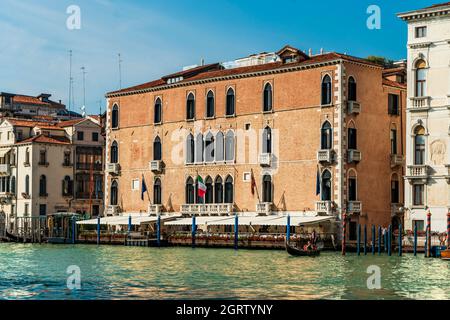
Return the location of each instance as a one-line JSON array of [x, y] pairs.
[[428, 117]]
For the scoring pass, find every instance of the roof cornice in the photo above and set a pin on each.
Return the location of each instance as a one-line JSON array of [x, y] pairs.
[[283, 69], [424, 13]]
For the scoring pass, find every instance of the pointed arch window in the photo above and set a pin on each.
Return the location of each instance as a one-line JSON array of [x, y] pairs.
[[115, 117], [190, 149], [158, 111], [219, 152], [229, 146], [326, 90], [351, 89], [190, 191], [67, 186], [421, 78], [157, 149], [190, 107], [395, 189], [43, 186], [114, 193], [199, 148], [209, 195], [352, 187], [157, 191], [326, 136], [419, 146], [326, 186], [230, 105], [267, 97], [218, 190], [352, 137], [267, 188], [229, 189], [114, 152], [267, 140], [210, 105], [209, 147]]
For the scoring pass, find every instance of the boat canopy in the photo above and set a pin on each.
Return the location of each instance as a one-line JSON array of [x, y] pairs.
[[124, 220]]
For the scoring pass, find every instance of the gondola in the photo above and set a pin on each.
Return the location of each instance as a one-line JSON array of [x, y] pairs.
[[294, 251]]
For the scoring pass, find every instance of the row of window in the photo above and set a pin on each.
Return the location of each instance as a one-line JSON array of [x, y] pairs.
[[94, 136]]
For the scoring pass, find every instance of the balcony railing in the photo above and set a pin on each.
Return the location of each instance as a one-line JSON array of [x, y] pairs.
[[113, 168], [264, 208], [396, 160], [418, 171], [5, 169], [112, 210], [354, 156], [207, 209], [88, 166], [420, 103], [265, 159], [353, 107], [155, 165], [354, 207], [324, 207], [325, 155], [154, 209]]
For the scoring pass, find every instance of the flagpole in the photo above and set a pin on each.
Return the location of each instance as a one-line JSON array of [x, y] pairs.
[[256, 187]]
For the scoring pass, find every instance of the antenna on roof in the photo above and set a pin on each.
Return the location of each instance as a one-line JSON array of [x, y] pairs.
[[120, 71], [70, 79], [83, 107], [202, 62]]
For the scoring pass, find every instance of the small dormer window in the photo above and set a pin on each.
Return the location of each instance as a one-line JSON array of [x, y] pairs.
[[290, 59]]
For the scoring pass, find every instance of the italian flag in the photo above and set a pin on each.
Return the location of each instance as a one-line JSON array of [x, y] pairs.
[[201, 187]]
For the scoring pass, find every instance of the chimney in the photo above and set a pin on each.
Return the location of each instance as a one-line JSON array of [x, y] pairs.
[[321, 50], [310, 52], [202, 62]]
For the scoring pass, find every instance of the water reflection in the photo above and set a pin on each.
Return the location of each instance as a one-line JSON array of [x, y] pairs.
[[39, 272]]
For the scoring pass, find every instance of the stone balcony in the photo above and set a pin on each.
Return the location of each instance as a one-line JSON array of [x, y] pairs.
[[324, 207], [418, 173], [265, 159], [420, 104], [353, 107], [213, 209], [155, 165], [354, 207], [154, 209], [5, 169], [353, 156], [113, 168], [396, 160], [325, 155], [264, 208], [112, 210]]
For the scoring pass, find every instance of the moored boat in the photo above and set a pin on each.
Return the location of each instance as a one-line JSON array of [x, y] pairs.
[[445, 255], [295, 251]]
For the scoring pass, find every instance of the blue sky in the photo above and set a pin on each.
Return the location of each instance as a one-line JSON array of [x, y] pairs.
[[157, 37]]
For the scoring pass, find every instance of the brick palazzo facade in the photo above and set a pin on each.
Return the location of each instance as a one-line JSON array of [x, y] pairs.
[[296, 123]]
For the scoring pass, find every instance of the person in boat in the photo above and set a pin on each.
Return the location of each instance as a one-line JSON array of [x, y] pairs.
[[307, 246]]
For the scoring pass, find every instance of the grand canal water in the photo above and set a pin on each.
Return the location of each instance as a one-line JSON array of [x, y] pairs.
[[40, 272]]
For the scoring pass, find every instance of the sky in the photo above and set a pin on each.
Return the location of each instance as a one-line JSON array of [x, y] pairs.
[[158, 37]]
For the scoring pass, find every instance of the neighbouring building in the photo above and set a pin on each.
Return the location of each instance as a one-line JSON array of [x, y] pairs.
[[24, 106], [428, 117], [274, 133], [46, 167]]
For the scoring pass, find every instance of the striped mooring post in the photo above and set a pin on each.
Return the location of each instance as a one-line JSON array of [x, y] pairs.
[[194, 230], [429, 234], [389, 240], [365, 239], [236, 232], [415, 239], [344, 232], [373, 239], [288, 229], [158, 231], [358, 240], [448, 230], [98, 230], [379, 240]]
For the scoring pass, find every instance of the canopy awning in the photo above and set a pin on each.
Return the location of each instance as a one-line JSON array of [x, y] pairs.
[[124, 220], [4, 151], [251, 220]]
